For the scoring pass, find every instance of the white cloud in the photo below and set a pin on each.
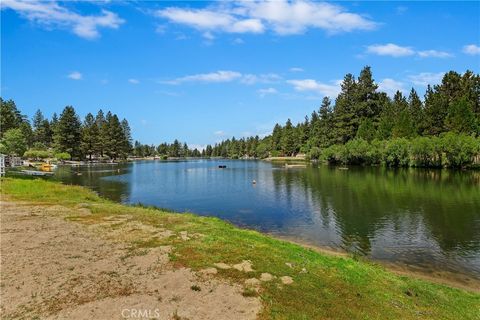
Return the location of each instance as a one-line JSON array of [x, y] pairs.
[[426, 78], [51, 14], [238, 41], [434, 54], [75, 75], [219, 133], [282, 17], [226, 76], [266, 91], [218, 76], [471, 49], [208, 36], [330, 90], [134, 81], [296, 69], [261, 78], [210, 20], [391, 86], [393, 50], [390, 49]]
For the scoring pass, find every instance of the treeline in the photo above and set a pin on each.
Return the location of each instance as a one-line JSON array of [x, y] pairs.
[[65, 137], [361, 115], [166, 150]]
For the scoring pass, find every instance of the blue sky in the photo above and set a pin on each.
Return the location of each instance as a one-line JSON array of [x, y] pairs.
[[205, 71]]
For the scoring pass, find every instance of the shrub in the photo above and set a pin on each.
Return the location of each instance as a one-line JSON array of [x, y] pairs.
[[36, 154], [397, 153], [62, 156], [356, 151], [376, 151], [426, 152], [460, 149], [334, 154], [315, 153]]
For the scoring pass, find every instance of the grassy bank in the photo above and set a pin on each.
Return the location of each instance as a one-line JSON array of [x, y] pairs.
[[324, 286]]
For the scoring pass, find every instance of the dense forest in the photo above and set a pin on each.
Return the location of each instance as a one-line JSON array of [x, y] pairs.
[[102, 136], [361, 126], [366, 126]]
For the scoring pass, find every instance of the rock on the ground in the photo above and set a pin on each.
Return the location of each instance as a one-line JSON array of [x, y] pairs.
[[286, 280], [221, 265], [245, 266], [266, 277], [209, 271]]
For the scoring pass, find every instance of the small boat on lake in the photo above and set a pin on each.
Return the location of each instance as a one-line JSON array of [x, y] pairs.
[[222, 166]]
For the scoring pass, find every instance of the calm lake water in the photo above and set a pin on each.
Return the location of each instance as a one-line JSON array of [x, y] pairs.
[[428, 219]]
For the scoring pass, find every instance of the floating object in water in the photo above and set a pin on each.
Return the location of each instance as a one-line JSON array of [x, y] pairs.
[[79, 173], [295, 165], [222, 166], [36, 173], [342, 168], [47, 167], [254, 182]]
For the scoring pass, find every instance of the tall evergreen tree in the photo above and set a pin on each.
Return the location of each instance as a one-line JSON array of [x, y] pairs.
[[114, 146], [67, 136], [288, 139], [101, 143], [89, 136], [345, 122], [415, 108], [10, 116], [127, 132]]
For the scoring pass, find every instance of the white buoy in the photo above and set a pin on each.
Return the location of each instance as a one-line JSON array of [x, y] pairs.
[[254, 182]]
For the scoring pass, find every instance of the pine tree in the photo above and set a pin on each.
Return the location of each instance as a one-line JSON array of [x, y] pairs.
[[101, 142], [288, 139], [67, 136], [460, 117], [127, 132], [345, 122], [325, 124], [366, 97], [42, 133], [415, 108], [10, 116], [403, 126], [115, 139], [276, 138], [89, 136]]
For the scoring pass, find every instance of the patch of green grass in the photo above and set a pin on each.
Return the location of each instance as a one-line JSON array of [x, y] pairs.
[[332, 288]]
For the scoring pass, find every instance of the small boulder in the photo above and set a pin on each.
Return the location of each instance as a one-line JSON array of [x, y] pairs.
[[286, 280], [266, 277], [252, 282], [221, 265], [245, 266], [208, 271]]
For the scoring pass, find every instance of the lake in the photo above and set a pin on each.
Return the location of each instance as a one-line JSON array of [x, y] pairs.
[[425, 219]]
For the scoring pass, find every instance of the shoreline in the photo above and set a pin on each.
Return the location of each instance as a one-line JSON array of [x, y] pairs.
[[450, 278]]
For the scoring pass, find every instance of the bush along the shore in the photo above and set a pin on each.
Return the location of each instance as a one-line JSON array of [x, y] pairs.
[[451, 150]]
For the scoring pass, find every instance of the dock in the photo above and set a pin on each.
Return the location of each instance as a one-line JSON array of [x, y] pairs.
[[36, 173]]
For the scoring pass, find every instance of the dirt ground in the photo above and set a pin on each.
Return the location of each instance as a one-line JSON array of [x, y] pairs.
[[52, 268]]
